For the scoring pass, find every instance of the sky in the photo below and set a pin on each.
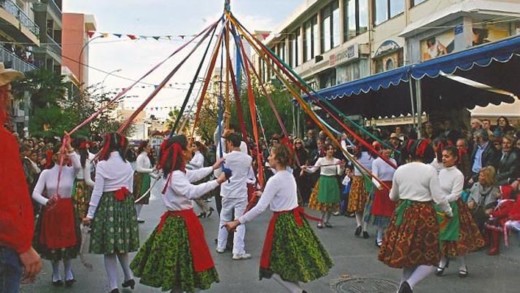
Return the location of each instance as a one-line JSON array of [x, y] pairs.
[[115, 63]]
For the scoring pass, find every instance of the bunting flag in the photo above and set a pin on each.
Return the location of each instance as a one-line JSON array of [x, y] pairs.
[[92, 34]]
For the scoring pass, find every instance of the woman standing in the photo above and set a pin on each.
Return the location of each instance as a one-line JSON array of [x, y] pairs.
[[301, 181], [358, 193], [382, 207], [327, 200], [83, 185], [197, 162], [142, 177], [412, 238], [57, 236], [176, 256], [112, 214], [460, 234], [292, 253]]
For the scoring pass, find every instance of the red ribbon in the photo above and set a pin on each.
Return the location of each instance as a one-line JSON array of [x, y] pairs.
[[121, 193], [202, 260], [265, 261]]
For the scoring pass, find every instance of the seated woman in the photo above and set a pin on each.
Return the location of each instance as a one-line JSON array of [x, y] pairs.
[[483, 196]]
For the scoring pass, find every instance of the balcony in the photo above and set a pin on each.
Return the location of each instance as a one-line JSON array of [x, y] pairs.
[[24, 20], [48, 48], [51, 8], [11, 60]]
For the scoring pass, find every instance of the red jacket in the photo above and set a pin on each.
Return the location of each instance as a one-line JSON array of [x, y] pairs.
[[16, 211]]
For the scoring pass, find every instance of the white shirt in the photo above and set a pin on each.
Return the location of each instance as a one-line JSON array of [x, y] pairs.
[[437, 165], [382, 170], [240, 165], [279, 194], [366, 161], [84, 173], [111, 175], [48, 181], [143, 164], [451, 180], [180, 191], [327, 167], [197, 161], [418, 182]]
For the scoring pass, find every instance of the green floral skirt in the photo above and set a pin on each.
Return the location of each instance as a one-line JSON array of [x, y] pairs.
[[114, 227], [141, 185], [165, 260], [81, 198], [297, 254]]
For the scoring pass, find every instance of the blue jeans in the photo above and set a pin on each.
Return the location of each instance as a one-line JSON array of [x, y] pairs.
[[10, 270]]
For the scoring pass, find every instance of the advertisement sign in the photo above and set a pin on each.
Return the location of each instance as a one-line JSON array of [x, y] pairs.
[[489, 33], [437, 45]]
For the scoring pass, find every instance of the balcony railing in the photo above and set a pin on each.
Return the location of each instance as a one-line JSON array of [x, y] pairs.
[[53, 46], [13, 9], [11, 60], [53, 7]]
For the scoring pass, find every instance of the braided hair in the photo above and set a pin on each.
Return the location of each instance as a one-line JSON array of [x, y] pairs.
[[420, 150], [112, 142], [171, 154]]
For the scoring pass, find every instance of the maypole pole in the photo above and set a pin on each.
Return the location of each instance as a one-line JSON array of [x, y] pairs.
[[227, 102]]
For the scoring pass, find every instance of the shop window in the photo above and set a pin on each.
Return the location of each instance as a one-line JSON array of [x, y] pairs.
[[386, 9], [356, 18]]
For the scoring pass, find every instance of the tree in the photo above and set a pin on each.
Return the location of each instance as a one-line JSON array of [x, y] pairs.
[[46, 88]]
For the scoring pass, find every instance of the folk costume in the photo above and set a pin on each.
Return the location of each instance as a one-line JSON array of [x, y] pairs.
[[176, 255], [292, 252], [382, 207], [83, 188], [57, 234], [142, 181]]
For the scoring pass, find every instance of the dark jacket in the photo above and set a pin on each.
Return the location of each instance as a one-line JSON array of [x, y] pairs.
[[508, 168], [490, 156]]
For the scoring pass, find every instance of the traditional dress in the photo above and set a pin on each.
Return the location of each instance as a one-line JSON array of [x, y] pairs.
[[459, 235], [358, 193], [326, 199], [142, 178], [412, 238], [383, 207], [176, 255], [83, 189], [291, 248], [57, 234], [114, 225]]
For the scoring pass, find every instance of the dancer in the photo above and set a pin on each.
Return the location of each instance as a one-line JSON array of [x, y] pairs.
[[358, 195], [292, 253], [382, 207], [57, 236], [142, 177], [176, 257], [111, 212], [327, 200], [460, 234], [196, 163], [18, 257], [83, 185], [411, 241]]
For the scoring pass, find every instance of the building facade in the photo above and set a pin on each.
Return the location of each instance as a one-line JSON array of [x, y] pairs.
[[48, 16], [330, 42]]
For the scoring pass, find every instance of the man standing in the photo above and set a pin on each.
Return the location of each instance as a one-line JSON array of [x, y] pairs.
[[16, 215], [234, 196]]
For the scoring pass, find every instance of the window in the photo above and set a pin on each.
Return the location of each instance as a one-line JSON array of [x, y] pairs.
[[416, 2], [281, 50], [330, 23], [293, 47], [356, 18], [386, 9], [309, 42]]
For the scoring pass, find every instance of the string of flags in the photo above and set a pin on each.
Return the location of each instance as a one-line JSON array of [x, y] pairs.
[[133, 37]]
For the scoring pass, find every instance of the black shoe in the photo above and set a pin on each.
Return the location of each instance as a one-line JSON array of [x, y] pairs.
[[328, 225], [140, 221], [379, 243], [440, 270], [115, 291], [358, 231], [202, 215], [320, 225], [68, 283], [57, 283], [405, 288], [365, 235], [129, 283], [463, 273], [210, 212]]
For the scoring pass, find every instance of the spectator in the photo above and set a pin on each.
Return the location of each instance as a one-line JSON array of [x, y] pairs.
[[484, 154], [508, 169], [503, 127], [486, 125], [483, 196]]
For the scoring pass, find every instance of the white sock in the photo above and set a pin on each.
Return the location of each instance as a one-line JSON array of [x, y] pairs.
[[125, 264], [407, 272], [138, 208], [379, 234], [462, 263], [290, 286], [111, 268], [419, 274], [55, 271], [67, 263], [359, 218]]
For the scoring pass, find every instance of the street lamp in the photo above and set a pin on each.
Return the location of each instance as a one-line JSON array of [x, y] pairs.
[[80, 59], [105, 78]]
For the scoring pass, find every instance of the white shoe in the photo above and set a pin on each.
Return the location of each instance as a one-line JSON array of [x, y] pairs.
[[239, 256], [220, 250]]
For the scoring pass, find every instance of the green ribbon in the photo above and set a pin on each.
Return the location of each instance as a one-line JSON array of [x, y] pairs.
[[449, 227], [403, 205]]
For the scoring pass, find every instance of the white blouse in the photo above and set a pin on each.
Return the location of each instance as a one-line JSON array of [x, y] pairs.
[[84, 174], [382, 170], [366, 161], [111, 175], [327, 167], [279, 194], [143, 164], [197, 161], [451, 180], [180, 191]]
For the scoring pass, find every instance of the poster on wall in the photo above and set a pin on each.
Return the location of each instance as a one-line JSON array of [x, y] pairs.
[[489, 33], [438, 45]]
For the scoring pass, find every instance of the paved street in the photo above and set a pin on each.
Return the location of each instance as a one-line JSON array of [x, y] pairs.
[[355, 264]]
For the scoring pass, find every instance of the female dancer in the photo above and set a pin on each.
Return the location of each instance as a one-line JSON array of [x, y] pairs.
[[142, 177], [292, 253], [83, 185], [382, 207], [358, 193], [411, 241], [114, 223], [327, 200], [197, 162], [460, 235], [176, 257], [57, 236]]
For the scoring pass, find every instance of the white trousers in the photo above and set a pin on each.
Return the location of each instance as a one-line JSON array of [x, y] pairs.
[[230, 205]]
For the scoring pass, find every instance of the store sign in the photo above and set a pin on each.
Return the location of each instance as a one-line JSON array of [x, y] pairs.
[[351, 53], [438, 45], [489, 33], [386, 47]]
